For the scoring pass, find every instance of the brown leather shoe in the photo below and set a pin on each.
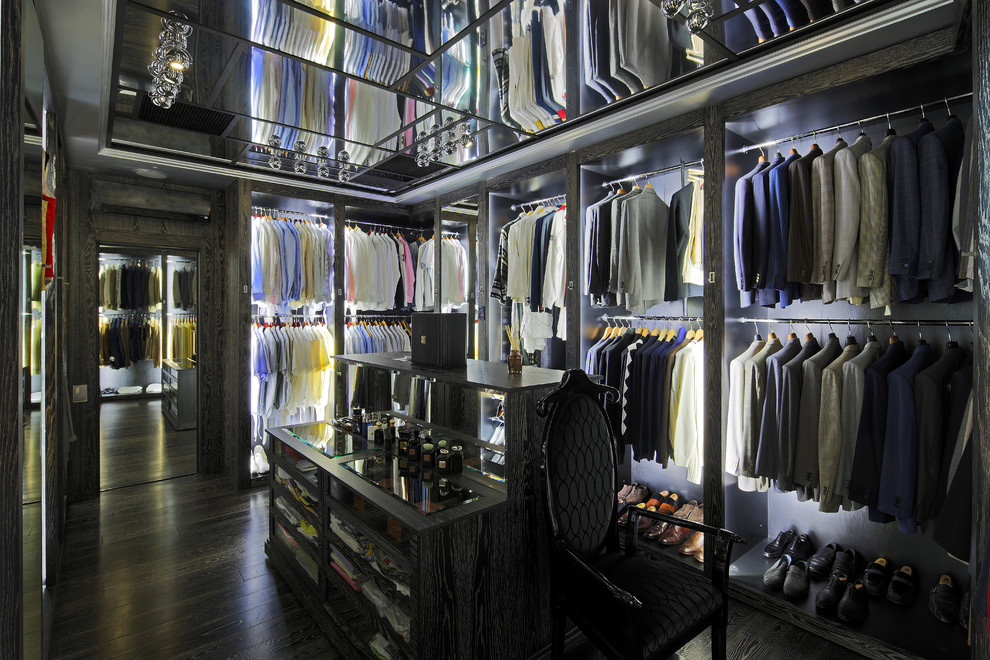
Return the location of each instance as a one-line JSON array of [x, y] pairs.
[[694, 543], [700, 554], [639, 494], [656, 530], [644, 522], [676, 535]]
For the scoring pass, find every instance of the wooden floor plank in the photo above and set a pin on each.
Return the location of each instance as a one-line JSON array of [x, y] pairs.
[[138, 445]]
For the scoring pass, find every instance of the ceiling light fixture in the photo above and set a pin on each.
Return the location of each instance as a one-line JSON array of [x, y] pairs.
[[699, 15], [171, 59], [439, 141]]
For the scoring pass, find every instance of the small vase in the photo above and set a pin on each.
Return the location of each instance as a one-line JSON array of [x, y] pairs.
[[515, 362]]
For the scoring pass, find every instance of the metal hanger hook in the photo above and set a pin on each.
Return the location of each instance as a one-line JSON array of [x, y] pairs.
[[919, 330], [923, 111], [948, 331], [889, 125], [830, 328], [947, 108]]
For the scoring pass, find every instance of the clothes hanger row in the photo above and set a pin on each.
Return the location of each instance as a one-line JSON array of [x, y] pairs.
[[860, 322], [271, 211], [857, 123], [681, 167], [365, 223], [664, 333], [560, 200]]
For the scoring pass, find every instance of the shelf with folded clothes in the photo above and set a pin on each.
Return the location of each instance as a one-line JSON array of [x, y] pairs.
[[398, 551], [886, 629], [289, 498], [293, 524], [299, 558]]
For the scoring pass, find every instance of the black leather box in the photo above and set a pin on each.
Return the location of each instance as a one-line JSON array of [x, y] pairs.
[[439, 340]]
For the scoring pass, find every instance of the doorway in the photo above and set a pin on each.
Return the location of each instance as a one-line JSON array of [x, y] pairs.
[[147, 365]]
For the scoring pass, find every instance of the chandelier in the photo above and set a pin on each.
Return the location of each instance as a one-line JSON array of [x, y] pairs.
[[439, 141], [300, 162], [171, 60]]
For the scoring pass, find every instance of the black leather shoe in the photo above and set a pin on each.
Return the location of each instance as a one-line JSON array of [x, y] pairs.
[[943, 601], [829, 597], [845, 563], [903, 587], [797, 581], [854, 604], [777, 574], [821, 564], [876, 577], [776, 547], [800, 548]]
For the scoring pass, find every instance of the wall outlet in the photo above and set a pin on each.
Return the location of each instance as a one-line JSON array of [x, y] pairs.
[[80, 393]]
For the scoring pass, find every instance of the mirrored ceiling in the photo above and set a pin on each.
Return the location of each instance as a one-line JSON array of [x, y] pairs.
[[386, 94]]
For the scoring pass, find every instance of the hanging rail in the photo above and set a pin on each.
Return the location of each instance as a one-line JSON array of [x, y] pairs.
[[522, 205], [398, 316], [606, 317], [665, 170], [267, 209], [866, 322], [419, 230], [849, 124]]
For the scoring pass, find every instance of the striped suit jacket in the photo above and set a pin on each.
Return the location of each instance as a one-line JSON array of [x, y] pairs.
[[823, 213], [847, 206]]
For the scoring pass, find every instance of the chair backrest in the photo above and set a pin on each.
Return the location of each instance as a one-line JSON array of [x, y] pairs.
[[579, 462]]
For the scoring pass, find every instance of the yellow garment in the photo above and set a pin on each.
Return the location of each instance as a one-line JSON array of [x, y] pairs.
[[35, 346]]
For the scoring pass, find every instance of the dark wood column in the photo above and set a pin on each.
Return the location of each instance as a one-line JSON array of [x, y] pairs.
[[981, 376], [12, 229]]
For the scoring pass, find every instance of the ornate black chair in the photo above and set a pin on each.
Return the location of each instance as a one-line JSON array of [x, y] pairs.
[[627, 605]]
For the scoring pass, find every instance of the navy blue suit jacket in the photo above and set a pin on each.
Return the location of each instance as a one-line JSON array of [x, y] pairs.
[[761, 234], [905, 212], [744, 233]]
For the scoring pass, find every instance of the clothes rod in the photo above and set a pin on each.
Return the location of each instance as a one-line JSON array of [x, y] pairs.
[[288, 212], [849, 124], [665, 170], [420, 230], [522, 205], [866, 322], [606, 317]]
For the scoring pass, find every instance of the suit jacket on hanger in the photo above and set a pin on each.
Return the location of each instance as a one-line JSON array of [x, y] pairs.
[[754, 397], [823, 214], [830, 438], [761, 237], [847, 219], [939, 159], [954, 529], [790, 407], [853, 390], [898, 476], [806, 453], [780, 208], [905, 213], [743, 235], [801, 239], [873, 269], [734, 420], [766, 457], [932, 403], [960, 386]]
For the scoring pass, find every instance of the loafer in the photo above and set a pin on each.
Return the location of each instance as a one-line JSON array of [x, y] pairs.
[[693, 544], [776, 547], [876, 577], [675, 535], [776, 575], [828, 598], [669, 503], [845, 563], [797, 581], [821, 564], [854, 604], [943, 601], [800, 548], [644, 522], [964, 611], [903, 587]]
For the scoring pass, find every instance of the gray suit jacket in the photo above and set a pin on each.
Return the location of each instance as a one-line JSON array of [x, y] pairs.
[[847, 207], [853, 391], [754, 396], [830, 429], [873, 269], [790, 405], [806, 456], [823, 213]]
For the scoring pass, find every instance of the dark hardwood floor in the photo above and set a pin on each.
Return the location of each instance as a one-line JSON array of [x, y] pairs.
[[138, 445], [32, 533], [31, 465], [177, 569]]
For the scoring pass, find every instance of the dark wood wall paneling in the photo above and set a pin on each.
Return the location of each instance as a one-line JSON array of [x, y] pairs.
[[12, 224], [90, 227], [236, 231], [981, 402]]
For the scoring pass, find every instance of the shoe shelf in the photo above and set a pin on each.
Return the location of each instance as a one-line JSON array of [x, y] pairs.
[[653, 550], [886, 631], [471, 547]]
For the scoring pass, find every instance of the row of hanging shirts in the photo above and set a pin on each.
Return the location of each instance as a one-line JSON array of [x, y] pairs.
[[291, 368], [291, 261], [182, 339], [530, 71], [130, 285], [380, 268], [454, 275], [659, 375], [377, 336], [849, 426], [531, 272], [891, 222], [128, 339], [641, 250]]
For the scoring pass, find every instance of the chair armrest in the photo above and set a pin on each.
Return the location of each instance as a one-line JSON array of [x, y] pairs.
[[619, 594], [635, 512]]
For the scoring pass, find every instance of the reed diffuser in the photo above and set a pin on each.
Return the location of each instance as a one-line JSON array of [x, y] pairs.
[[515, 357]]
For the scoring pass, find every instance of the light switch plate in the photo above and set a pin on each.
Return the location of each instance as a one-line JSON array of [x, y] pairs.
[[79, 394]]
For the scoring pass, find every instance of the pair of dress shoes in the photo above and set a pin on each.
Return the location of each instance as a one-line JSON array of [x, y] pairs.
[[692, 543], [788, 542], [848, 599], [790, 574], [943, 602], [662, 502]]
